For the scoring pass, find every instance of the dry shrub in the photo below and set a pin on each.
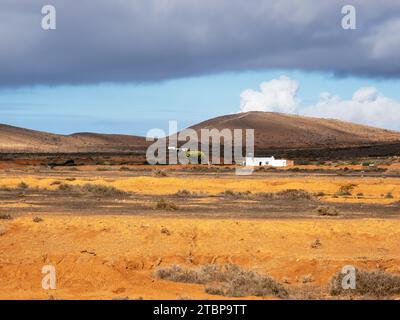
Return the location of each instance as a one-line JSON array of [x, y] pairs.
[[183, 193], [67, 187], [22, 185], [103, 190], [165, 230], [227, 280], [37, 219], [3, 230], [159, 173], [96, 189], [389, 195], [163, 204], [5, 216], [289, 194], [346, 189], [235, 195], [376, 283], [327, 211], [56, 183]]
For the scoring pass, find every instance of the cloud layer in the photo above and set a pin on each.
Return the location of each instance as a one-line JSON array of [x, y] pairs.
[[367, 105], [151, 40], [277, 95]]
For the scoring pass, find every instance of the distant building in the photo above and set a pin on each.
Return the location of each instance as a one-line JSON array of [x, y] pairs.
[[266, 161]]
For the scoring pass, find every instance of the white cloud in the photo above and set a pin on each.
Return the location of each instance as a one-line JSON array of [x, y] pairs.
[[367, 105], [277, 95]]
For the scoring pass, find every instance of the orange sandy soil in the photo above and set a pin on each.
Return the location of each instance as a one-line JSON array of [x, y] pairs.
[[374, 189], [104, 257]]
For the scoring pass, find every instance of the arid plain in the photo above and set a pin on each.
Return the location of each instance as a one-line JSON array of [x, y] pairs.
[[109, 229]]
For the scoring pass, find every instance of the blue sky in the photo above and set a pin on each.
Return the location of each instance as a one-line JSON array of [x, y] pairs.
[[136, 108]]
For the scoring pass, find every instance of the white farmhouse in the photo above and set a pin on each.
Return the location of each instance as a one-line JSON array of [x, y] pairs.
[[265, 161]]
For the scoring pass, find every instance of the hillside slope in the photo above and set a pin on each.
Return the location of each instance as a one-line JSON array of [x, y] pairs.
[[277, 130], [14, 139]]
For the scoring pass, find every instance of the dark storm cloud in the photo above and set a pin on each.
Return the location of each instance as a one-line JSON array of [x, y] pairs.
[[151, 40]]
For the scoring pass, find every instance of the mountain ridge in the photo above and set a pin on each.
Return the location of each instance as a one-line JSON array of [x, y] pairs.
[[272, 130]]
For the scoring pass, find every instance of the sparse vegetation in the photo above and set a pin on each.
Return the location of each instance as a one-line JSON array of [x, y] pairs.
[[289, 194], [346, 189], [327, 211], [183, 193], [316, 244], [37, 219], [389, 195], [89, 188], [226, 280], [235, 195], [368, 283], [5, 216], [163, 204], [22, 185], [165, 230], [160, 173]]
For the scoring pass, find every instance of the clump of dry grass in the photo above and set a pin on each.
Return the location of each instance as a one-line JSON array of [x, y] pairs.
[[103, 190], [327, 211], [346, 189], [289, 194], [230, 194], [5, 216], [183, 193], [376, 283], [389, 195], [227, 280], [160, 173], [37, 219], [163, 204], [96, 189], [165, 230], [23, 185]]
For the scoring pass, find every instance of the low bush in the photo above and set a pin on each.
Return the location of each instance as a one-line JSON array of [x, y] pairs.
[[346, 189], [327, 211], [368, 283], [226, 280], [37, 219], [160, 173], [89, 188], [22, 185], [235, 195], [289, 194], [163, 204]]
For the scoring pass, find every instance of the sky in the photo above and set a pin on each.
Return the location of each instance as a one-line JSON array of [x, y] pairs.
[[130, 66]]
